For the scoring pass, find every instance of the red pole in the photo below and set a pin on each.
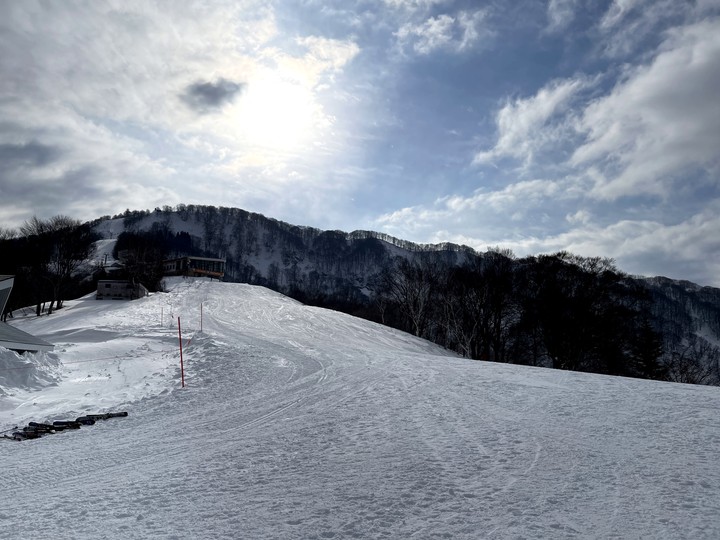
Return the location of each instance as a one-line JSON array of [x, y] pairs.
[[182, 370]]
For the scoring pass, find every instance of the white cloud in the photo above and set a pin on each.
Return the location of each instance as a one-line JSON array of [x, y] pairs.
[[434, 33], [66, 163], [116, 92], [329, 54], [520, 194], [523, 125], [560, 14], [488, 210], [414, 5], [473, 29], [455, 33], [617, 11], [661, 123], [628, 25], [684, 250], [581, 216]]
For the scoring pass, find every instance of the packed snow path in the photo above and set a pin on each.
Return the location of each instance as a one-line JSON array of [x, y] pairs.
[[299, 422]]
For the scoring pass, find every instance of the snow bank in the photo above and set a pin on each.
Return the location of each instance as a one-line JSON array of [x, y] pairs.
[[29, 371]]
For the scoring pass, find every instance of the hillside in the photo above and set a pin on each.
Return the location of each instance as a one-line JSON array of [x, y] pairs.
[[299, 422], [558, 310], [285, 257]]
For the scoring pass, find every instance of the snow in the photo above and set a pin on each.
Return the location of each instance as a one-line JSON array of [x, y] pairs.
[[299, 422]]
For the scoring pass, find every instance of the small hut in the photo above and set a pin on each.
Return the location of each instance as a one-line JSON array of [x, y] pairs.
[[118, 289]]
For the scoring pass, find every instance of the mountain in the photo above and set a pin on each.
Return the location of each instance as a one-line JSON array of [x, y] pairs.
[[557, 310], [288, 258], [301, 422]]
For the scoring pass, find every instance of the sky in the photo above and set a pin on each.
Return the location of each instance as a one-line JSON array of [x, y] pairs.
[[587, 126]]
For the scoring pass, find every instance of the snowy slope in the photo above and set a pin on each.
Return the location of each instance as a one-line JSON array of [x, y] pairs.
[[299, 422]]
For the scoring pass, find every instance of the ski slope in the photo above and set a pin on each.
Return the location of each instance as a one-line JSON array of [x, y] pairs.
[[299, 422]]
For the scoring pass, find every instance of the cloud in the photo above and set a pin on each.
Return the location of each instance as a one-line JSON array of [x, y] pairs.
[[434, 33], [657, 127], [494, 212], [31, 154], [630, 25], [660, 125], [85, 109], [525, 125], [581, 216], [683, 250], [322, 59], [205, 97], [454, 33], [560, 14], [473, 29], [617, 11], [80, 168], [509, 198], [331, 54], [414, 5]]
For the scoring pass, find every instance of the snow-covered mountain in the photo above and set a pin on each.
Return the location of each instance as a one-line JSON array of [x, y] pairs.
[[299, 422], [346, 270], [285, 257]]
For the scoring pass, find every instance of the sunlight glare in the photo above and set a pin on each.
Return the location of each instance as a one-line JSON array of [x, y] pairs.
[[277, 114]]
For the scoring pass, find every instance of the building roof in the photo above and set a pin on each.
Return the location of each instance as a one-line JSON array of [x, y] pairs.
[[17, 340], [192, 258], [11, 337], [6, 284]]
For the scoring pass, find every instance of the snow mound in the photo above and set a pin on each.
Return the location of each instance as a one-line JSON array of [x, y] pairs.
[[31, 371]]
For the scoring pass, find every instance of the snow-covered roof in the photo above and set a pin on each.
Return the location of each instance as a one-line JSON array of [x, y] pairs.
[[14, 339]]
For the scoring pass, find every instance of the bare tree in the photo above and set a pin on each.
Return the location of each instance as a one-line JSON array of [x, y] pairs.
[[7, 234], [411, 286], [62, 244], [72, 245], [480, 309], [697, 362]]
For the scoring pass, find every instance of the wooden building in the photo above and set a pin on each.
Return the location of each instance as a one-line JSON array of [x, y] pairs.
[[195, 266]]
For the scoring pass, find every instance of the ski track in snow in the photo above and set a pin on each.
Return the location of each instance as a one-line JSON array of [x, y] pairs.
[[298, 422]]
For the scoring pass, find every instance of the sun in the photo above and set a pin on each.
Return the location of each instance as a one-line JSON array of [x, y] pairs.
[[277, 113]]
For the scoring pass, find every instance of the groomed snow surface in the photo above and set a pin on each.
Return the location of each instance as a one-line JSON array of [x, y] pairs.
[[299, 422]]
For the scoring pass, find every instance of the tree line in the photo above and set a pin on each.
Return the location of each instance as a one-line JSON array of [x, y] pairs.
[[561, 311], [45, 256]]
